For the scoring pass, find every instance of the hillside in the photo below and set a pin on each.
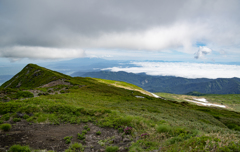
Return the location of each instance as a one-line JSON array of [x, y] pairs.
[[170, 84], [94, 115]]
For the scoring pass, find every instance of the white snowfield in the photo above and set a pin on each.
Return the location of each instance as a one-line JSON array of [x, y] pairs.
[[156, 96], [204, 102]]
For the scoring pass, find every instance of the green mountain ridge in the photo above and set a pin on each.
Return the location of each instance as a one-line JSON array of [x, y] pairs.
[[143, 124], [171, 84]]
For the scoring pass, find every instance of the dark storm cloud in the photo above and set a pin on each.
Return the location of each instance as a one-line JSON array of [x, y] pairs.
[[127, 24]]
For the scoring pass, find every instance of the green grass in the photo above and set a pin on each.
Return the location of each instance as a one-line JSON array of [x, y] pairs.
[[120, 83]]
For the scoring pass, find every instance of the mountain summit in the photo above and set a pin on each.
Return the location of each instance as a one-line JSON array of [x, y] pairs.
[[33, 76]]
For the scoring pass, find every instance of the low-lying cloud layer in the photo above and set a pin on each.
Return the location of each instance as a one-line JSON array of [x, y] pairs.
[[152, 25], [181, 69]]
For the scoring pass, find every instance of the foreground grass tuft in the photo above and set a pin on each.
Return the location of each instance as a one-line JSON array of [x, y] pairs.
[[76, 147], [111, 149], [6, 127], [19, 148]]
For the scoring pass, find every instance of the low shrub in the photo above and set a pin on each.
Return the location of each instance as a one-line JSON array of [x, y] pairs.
[[75, 147], [141, 145], [163, 129], [84, 131], [233, 127], [6, 117], [1, 121], [19, 148], [17, 119], [145, 135], [98, 133], [6, 127], [231, 147], [81, 136], [178, 134], [128, 130], [120, 130], [86, 127], [25, 116], [67, 139], [203, 143], [62, 91], [43, 94], [24, 94], [111, 149]]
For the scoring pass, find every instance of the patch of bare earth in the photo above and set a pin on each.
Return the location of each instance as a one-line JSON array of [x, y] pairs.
[[54, 83], [50, 137]]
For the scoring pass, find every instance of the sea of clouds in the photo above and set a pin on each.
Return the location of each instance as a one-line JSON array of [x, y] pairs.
[[182, 69]]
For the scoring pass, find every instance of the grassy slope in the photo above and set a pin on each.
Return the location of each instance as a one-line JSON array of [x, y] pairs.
[[124, 85], [107, 105], [230, 100]]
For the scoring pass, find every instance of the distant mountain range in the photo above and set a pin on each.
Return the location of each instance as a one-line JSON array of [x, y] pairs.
[[171, 84], [91, 67]]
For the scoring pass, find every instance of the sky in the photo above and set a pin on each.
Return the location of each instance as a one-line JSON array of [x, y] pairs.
[[169, 30]]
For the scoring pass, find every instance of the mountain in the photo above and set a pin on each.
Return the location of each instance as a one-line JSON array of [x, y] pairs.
[[172, 84], [33, 76], [47, 110]]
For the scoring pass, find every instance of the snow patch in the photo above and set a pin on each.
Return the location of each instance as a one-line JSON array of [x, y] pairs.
[[156, 96], [139, 97], [204, 102]]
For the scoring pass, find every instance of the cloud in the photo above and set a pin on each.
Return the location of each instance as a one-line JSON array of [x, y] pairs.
[[158, 38], [202, 51], [131, 25], [183, 69], [18, 52]]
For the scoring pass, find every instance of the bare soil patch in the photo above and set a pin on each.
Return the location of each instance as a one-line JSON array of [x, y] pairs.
[[54, 83], [50, 137]]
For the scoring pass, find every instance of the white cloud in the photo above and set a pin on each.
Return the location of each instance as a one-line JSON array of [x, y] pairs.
[[18, 52], [157, 38], [183, 69], [202, 51]]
